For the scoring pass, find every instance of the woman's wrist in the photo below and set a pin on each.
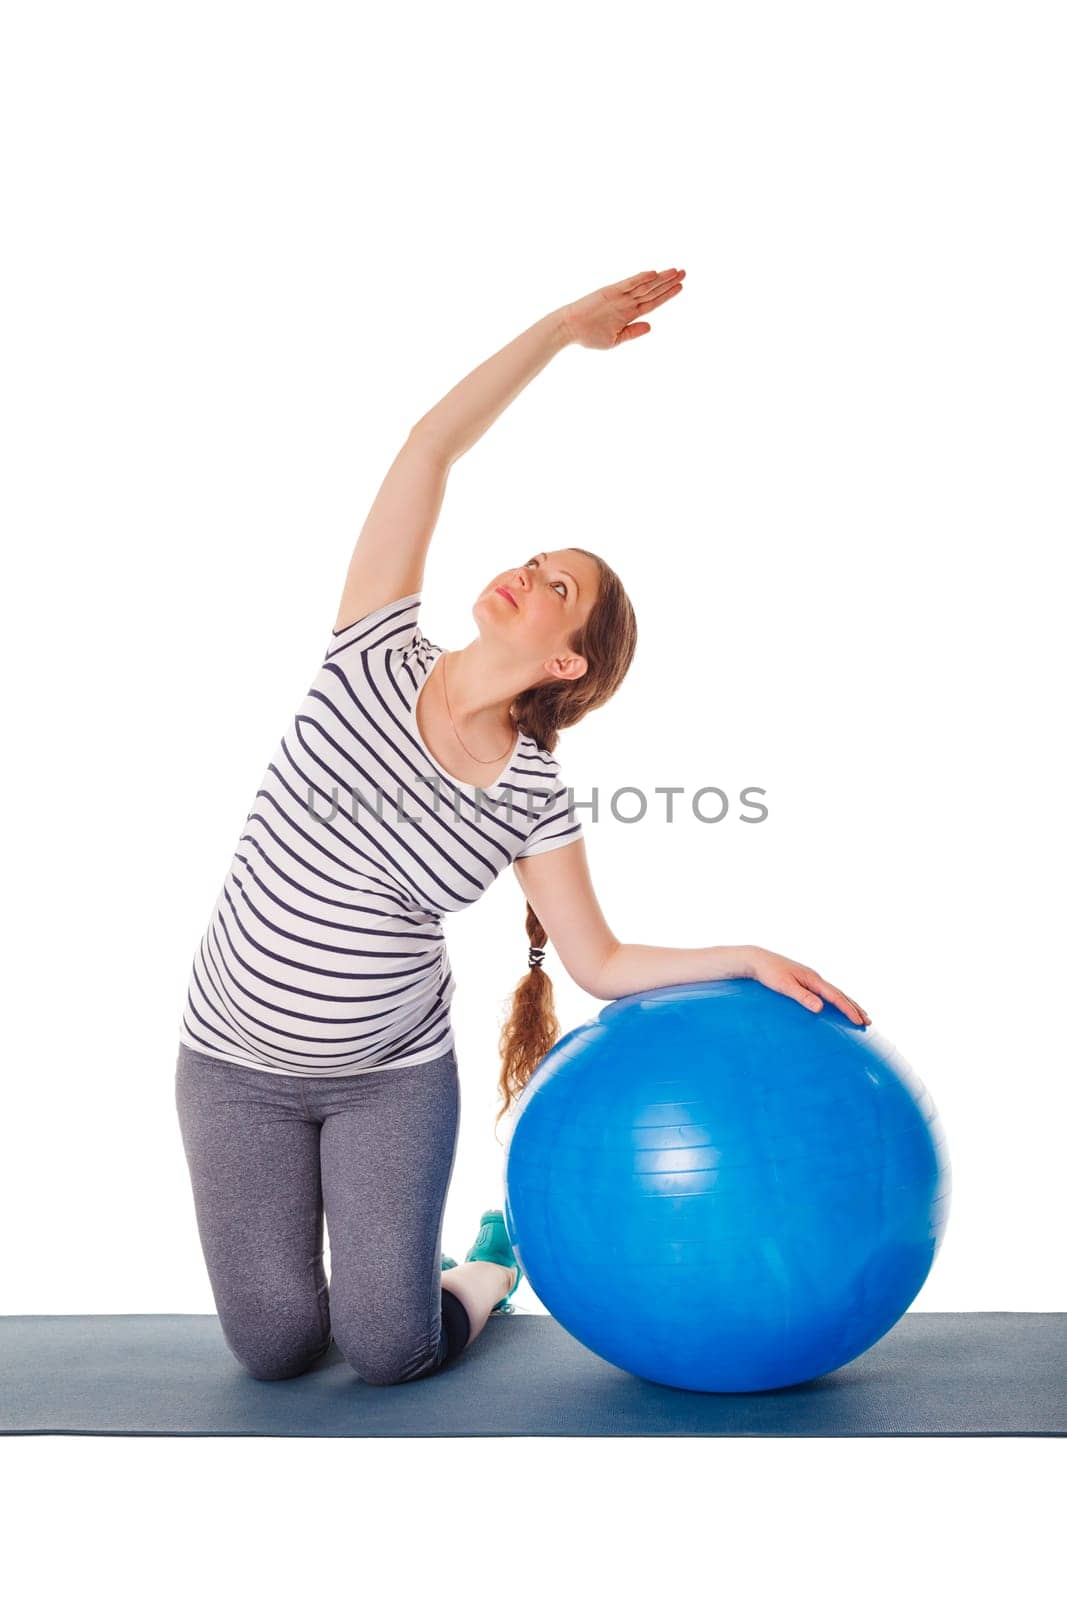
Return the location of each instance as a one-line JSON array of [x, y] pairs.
[[564, 331], [743, 957]]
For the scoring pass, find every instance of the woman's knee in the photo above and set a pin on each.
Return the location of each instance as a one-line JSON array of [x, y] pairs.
[[388, 1362], [273, 1365], [394, 1359], [383, 1368], [270, 1350]]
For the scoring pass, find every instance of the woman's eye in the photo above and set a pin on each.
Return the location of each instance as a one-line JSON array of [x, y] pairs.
[[557, 584]]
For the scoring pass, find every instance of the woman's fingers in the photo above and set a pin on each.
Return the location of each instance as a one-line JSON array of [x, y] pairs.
[[640, 281], [640, 306], [667, 283], [803, 984], [656, 301], [837, 997], [646, 286], [796, 991], [638, 277]]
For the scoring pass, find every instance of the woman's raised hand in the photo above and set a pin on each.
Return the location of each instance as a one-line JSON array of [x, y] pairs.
[[605, 318], [801, 983]]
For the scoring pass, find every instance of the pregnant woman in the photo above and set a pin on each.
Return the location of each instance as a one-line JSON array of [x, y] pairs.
[[316, 1076]]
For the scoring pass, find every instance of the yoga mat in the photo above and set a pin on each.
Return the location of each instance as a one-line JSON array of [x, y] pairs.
[[951, 1374]]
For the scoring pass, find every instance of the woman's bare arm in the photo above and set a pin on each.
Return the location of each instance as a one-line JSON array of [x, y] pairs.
[[602, 320], [558, 886], [390, 553], [466, 412]]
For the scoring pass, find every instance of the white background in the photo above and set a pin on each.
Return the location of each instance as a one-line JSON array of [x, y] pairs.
[[247, 247]]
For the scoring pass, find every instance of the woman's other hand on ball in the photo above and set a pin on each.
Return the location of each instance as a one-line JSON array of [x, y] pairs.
[[800, 983]]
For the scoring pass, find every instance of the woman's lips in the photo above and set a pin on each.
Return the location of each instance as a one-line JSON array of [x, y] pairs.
[[507, 595]]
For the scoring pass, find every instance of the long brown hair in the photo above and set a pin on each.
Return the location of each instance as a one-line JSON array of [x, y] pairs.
[[607, 641]]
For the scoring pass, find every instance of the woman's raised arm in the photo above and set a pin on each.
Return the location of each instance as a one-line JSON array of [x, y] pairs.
[[390, 553], [602, 320]]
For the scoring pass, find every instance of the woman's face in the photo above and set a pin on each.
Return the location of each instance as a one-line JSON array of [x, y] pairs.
[[540, 604]]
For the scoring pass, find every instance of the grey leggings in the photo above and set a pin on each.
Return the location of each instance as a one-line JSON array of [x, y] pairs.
[[271, 1158]]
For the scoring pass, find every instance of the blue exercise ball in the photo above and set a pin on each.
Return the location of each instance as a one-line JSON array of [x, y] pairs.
[[713, 1187]]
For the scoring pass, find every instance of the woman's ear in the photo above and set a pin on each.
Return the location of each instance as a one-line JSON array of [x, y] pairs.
[[572, 667]]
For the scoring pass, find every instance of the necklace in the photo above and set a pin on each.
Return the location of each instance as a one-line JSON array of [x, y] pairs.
[[455, 730]]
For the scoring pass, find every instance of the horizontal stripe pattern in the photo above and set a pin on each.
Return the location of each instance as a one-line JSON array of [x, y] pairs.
[[325, 953]]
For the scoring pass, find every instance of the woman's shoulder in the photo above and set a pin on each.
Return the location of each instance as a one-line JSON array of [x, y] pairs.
[[530, 750], [393, 627]]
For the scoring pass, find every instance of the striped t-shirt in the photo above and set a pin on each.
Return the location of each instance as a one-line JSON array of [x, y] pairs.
[[325, 954]]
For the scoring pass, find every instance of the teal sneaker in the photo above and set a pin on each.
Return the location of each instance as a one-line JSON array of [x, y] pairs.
[[446, 1262], [493, 1244]]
